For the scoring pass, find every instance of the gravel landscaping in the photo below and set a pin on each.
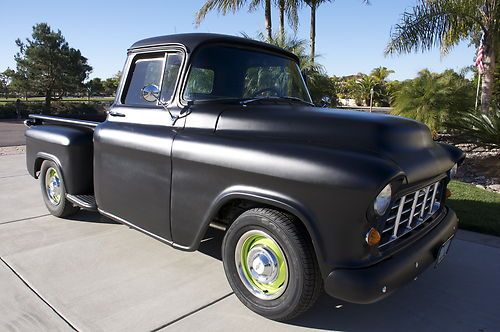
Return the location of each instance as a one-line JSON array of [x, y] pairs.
[[10, 150], [481, 166]]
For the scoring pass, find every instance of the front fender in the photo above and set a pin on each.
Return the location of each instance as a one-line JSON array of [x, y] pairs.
[[265, 197], [328, 190]]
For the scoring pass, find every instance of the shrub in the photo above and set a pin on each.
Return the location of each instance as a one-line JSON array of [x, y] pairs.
[[90, 111], [434, 99], [479, 129]]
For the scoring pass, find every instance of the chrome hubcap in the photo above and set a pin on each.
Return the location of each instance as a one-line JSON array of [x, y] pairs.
[[53, 186], [261, 265]]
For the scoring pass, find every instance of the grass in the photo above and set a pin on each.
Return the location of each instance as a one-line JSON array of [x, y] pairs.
[[477, 209]]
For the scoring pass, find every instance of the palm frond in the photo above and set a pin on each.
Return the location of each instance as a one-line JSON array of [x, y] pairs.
[[435, 23], [222, 6], [434, 99], [291, 10], [478, 129]]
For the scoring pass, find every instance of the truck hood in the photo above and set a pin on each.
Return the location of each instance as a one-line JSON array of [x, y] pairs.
[[406, 142]]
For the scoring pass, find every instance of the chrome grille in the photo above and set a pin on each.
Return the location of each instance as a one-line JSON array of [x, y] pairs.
[[411, 210]]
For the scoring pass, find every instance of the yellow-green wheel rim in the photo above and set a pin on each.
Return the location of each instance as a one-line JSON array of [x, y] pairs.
[[53, 186], [261, 265]]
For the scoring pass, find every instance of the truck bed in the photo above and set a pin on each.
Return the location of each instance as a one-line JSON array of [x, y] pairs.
[[68, 143], [35, 119]]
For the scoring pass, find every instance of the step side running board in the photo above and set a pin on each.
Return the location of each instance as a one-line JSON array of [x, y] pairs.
[[86, 202]]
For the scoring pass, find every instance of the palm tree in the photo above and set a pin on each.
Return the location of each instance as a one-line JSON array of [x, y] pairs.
[[363, 87], [288, 8], [225, 6], [445, 23], [293, 45], [314, 4], [381, 73]]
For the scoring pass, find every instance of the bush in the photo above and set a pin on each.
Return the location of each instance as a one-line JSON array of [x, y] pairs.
[[89, 111], [322, 89], [8, 111], [479, 129], [434, 99]]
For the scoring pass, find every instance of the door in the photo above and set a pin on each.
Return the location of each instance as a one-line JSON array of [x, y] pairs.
[[132, 148]]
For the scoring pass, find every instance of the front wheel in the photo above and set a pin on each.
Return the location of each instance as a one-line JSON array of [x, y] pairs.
[[270, 264], [54, 191]]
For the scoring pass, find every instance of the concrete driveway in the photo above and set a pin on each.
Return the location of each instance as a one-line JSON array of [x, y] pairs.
[[91, 274]]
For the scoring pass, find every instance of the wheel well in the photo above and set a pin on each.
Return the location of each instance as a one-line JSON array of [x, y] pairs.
[[231, 210], [38, 166]]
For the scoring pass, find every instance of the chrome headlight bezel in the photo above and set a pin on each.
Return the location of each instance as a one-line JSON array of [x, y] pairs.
[[383, 200]]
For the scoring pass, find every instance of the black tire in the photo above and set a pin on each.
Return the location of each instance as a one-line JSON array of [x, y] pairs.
[[304, 282], [64, 208]]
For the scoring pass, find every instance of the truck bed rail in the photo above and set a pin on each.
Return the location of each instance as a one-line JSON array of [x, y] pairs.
[[35, 119]]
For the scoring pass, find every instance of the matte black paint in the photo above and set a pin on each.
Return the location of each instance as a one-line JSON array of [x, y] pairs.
[[132, 173], [191, 41], [170, 179], [69, 147], [366, 285]]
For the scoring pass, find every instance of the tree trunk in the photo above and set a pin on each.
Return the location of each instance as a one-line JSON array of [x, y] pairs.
[[267, 13], [488, 74], [48, 98], [313, 32], [282, 19]]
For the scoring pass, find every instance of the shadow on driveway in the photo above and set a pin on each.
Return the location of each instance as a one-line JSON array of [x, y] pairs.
[[462, 294]]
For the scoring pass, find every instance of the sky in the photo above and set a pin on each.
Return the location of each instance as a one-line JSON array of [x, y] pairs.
[[351, 36]]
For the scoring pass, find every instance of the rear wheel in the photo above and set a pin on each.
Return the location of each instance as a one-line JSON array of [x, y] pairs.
[[54, 191], [270, 264]]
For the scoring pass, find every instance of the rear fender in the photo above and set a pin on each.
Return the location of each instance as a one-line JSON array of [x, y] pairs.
[[70, 148]]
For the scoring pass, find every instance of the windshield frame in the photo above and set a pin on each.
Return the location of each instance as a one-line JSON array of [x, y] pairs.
[[242, 46]]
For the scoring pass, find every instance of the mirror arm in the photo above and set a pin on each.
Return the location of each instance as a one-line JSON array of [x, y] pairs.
[[163, 104]]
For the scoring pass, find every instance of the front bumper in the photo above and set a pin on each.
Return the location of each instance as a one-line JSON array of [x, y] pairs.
[[370, 284]]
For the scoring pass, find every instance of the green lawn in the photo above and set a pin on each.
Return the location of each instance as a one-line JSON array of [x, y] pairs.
[[477, 209]]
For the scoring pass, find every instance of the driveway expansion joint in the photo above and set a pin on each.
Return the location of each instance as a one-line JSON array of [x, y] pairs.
[[13, 176], [192, 312], [38, 295], [24, 219]]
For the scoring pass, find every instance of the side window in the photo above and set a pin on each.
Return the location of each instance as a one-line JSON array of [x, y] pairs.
[[200, 83], [145, 72], [172, 67]]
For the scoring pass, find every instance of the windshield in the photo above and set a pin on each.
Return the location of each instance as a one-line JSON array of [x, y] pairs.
[[223, 72]]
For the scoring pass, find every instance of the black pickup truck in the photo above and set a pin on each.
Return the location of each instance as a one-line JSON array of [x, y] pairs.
[[216, 131]]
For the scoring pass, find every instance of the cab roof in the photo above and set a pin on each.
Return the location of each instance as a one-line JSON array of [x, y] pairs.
[[193, 40]]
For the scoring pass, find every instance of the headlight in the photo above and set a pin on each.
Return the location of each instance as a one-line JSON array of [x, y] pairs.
[[453, 171], [383, 200]]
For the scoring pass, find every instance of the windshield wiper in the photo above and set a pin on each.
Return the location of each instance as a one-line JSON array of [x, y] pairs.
[[285, 98], [302, 101]]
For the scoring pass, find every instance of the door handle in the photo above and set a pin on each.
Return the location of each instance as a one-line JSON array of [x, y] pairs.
[[113, 113]]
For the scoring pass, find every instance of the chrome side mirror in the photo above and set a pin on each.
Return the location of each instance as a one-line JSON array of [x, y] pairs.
[[325, 101], [151, 93]]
